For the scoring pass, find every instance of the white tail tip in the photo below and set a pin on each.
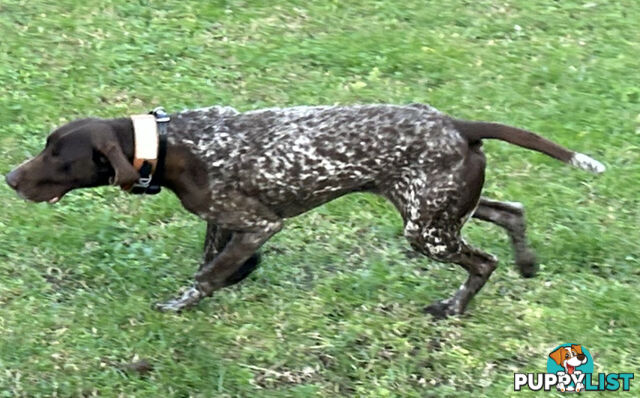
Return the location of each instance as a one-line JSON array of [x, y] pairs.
[[587, 163]]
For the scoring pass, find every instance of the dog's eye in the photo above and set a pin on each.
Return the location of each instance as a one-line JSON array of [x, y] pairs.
[[566, 356], [102, 160]]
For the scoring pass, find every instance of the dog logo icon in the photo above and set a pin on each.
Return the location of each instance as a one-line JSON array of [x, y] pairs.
[[570, 369], [572, 358]]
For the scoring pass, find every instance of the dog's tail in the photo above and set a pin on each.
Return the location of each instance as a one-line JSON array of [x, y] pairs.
[[476, 131]]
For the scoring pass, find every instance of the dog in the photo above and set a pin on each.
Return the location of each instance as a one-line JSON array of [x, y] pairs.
[[244, 173], [569, 358]]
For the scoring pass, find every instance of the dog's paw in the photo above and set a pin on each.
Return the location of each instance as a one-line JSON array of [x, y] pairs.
[[189, 298], [441, 309], [527, 264]]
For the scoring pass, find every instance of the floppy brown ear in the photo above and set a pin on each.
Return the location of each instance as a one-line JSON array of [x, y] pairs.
[[126, 174], [557, 355]]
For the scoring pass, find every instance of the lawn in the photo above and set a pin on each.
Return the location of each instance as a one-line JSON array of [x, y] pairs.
[[336, 307]]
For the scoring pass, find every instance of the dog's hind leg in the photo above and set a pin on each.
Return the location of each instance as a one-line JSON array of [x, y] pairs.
[[510, 216], [434, 208], [443, 243], [215, 241], [480, 266]]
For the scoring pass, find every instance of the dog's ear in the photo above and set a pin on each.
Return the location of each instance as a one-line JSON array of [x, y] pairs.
[[577, 348], [558, 355], [125, 173]]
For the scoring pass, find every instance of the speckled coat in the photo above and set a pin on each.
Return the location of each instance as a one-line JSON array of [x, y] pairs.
[[270, 164], [294, 159]]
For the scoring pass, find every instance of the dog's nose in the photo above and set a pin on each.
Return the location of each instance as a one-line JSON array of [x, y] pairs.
[[12, 179], [581, 357]]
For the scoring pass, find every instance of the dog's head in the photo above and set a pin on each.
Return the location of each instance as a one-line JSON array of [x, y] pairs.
[[80, 154], [569, 357]]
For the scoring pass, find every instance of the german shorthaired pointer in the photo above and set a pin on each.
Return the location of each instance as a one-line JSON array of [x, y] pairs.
[[244, 173]]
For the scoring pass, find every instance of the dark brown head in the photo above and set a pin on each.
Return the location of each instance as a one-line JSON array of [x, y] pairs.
[[84, 153]]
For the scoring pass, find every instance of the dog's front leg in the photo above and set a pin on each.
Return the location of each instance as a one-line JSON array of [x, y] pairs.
[[228, 264], [215, 241], [251, 229]]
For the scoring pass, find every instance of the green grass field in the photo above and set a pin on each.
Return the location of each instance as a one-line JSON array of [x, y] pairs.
[[336, 307]]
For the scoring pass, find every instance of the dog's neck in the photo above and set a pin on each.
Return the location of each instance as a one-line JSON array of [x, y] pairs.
[[124, 131], [183, 173]]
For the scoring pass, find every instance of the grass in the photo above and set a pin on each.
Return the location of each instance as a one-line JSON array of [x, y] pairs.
[[335, 309]]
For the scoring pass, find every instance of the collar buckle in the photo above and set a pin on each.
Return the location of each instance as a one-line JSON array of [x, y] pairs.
[[160, 114]]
